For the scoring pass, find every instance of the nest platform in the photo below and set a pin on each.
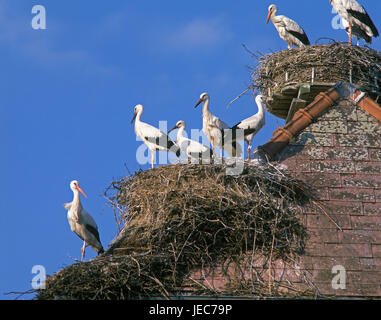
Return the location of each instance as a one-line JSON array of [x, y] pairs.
[[291, 79], [179, 220]]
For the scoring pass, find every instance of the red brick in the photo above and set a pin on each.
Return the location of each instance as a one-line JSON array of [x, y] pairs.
[[354, 278], [370, 167], [374, 154], [347, 153], [370, 264], [327, 263], [376, 250], [352, 194], [372, 208], [321, 194], [320, 235], [333, 166], [321, 180], [324, 222], [291, 165], [355, 290], [377, 194], [361, 180], [315, 152], [364, 277], [356, 127], [366, 222], [351, 236], [344, 207], [374, 235], [358, 140], [340, 250]]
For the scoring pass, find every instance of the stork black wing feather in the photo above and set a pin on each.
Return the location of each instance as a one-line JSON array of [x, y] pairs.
[[301, 36], [246, 132], [364, 18], [93, 230], [169, 144]]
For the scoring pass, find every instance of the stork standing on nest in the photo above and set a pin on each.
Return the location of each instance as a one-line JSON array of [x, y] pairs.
[[288, 29], [154, 138], [356, 20], [214, 128], [253, 124], [191, 148], [81, 222]]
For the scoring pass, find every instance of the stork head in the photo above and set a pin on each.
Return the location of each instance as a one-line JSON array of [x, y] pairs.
[[203, 97], [260, 99], [179, 124], [138, 108], [74, 186], [272, 10]]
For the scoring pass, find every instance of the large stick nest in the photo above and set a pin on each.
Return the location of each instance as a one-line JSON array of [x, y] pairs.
[[332, 63], [180, 219]]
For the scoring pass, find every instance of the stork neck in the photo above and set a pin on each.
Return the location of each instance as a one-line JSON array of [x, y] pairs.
[[260, 108], [76, 199], [274, 18], [139, 114], [205, 107], [180, 134]]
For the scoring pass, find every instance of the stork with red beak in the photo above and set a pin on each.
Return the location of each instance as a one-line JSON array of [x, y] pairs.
[[81, 223], [288, 29], [355, 20], [217, 131], [153, 137]]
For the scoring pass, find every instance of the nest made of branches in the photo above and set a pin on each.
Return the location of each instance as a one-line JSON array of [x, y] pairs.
[[180, 219], [328, 63]]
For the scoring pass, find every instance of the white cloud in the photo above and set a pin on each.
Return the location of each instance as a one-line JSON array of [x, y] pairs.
[[200, 34]]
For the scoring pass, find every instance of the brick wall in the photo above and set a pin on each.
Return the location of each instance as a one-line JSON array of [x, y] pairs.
[[340, 154]]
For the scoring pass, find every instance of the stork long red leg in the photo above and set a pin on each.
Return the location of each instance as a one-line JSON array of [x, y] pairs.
[[83, 250]]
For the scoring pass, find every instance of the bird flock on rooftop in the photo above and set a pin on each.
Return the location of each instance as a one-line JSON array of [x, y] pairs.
[[356, 22]]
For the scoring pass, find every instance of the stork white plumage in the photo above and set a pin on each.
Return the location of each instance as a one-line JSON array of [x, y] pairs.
[[253, 124], [81, 223], [154, 138], [355, 19], [215, 129], [192, 149], [287, 28]]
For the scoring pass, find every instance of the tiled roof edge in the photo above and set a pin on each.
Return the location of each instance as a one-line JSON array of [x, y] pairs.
[[304, 117]]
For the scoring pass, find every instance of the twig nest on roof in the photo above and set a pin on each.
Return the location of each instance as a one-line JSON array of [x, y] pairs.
[[280, 75], [180, 219], [331, 63]]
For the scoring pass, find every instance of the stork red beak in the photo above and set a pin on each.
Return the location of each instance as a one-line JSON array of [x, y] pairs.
[[198, 102], [133, 118], [81, 191], [269, 16]]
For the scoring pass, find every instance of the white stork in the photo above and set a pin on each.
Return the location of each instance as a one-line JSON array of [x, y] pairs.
[[253, 124], [288, 29], [154, 138], [81, 222], [191, 148], [355, 20], [215, 129], [356, 32]]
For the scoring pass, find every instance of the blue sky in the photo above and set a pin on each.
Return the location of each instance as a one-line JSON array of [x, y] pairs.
[[67, 95]]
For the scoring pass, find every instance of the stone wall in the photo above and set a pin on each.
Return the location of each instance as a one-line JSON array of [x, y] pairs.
[[340, 155]]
